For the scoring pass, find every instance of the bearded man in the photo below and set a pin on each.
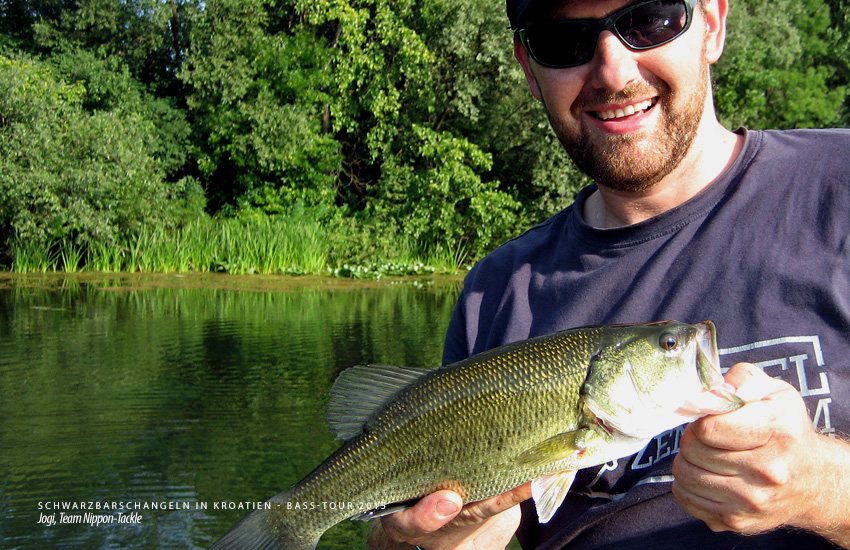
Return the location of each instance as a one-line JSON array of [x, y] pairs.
[[686, 220]]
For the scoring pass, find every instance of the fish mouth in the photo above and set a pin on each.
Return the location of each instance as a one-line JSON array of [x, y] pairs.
[[708, 359], [708, 365]]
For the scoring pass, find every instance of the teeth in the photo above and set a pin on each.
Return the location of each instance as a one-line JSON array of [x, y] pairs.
[[629, 110]]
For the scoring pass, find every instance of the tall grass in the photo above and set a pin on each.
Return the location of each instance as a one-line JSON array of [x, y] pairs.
[[32, 256], [254, 244]]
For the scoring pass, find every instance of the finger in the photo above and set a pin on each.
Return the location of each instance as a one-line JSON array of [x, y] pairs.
[[695, 452], [700, 476], [728, 502], [426, 516], [695, 496], [477, 512], [754, 424], [745, 429], [751, 383], [697, 505]]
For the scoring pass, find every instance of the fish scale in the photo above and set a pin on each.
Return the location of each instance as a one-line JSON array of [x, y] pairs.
[[526, 411]]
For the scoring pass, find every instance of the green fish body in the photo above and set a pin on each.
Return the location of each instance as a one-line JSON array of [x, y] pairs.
[[535, 410]]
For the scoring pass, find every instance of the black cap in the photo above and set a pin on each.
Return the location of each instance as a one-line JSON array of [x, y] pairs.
[[516, 9]]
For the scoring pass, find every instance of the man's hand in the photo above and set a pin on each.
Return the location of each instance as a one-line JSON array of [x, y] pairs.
[[440, 522], [764, 465]]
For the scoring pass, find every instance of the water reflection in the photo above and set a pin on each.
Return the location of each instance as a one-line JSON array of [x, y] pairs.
[[177, 398]]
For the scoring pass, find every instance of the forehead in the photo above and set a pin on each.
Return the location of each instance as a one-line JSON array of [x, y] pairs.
[[557, 10]]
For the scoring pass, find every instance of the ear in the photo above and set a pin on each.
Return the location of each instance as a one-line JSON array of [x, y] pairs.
[[715, 12], [522, 56]]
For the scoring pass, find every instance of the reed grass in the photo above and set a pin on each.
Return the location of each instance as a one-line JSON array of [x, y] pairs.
[[32, 256], [253, 244]]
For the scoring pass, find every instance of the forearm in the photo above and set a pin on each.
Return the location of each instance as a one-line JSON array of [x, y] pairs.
[[829, 515]]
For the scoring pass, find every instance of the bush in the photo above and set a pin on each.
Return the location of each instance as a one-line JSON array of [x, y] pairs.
[[74, 175]]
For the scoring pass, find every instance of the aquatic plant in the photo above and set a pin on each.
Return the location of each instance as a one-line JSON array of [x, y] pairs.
[[252, 243]]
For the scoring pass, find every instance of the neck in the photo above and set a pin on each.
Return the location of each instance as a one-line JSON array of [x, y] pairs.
[[713, 151]]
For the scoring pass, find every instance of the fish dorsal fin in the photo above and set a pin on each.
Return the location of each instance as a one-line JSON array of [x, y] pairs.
[[549, 492], [360, 391]]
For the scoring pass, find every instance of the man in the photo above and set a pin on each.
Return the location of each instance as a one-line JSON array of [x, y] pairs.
[[686, 220]]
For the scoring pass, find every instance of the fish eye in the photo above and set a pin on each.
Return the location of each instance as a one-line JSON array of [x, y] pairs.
[[668, 341]]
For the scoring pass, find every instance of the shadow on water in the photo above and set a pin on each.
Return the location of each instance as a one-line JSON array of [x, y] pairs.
[[182, 398]]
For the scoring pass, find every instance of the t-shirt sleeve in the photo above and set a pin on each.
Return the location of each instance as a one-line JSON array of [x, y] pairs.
[[456, 347]]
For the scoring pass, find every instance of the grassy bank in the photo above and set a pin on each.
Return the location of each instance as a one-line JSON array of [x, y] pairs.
[[258, 244]]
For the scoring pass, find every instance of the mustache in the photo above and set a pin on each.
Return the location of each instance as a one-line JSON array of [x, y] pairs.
[[592, 98]]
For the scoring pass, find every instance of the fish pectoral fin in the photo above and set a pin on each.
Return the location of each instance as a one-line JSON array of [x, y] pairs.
[[549, 492], [562, 446]]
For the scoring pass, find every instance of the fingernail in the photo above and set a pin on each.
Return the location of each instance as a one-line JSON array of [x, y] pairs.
[[446, 508], [726, 386]]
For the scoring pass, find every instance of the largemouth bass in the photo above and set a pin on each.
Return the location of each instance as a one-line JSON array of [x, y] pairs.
[[538, 409]]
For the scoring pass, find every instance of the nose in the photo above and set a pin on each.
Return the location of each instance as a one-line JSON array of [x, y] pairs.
[[613, 65]]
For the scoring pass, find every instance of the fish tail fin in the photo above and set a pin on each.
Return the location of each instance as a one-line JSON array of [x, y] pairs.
[[259, 531]]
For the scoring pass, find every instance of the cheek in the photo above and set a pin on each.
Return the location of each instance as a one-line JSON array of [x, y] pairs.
[[559, 88], [684, 61]]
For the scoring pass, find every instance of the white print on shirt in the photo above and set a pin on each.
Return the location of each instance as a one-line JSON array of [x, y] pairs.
[[798, 360], [803, 368], [661, 446]]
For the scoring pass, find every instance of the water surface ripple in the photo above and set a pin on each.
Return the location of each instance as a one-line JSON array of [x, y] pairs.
[[182, 401]]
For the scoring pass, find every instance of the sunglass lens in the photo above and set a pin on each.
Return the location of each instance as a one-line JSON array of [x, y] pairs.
[[642, 26], [653, 24], [563, 45]]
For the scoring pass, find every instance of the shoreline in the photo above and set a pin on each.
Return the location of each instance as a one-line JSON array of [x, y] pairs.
[[131, 281]]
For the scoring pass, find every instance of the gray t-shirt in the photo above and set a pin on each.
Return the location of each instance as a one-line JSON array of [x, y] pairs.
[[764, 253]]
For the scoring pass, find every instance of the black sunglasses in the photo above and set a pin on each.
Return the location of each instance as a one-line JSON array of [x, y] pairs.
[[642, 26]]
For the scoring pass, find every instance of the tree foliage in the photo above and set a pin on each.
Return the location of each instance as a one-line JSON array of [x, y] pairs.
[[257, 100], [409, 118], [779, 69], [346, 104], [82, 175]]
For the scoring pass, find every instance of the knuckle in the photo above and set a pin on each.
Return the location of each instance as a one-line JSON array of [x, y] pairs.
[[754, 503], [475, 513], [705, 430], [686, 441], [733, 522], [680, 468], [777, 474]]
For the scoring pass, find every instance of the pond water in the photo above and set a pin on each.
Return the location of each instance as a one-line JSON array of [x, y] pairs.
[[182, 399]]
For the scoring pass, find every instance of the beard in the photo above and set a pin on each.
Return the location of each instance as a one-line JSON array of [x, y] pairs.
[[633, 162]]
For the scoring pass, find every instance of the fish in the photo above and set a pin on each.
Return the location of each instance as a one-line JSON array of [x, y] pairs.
[[533, 410]]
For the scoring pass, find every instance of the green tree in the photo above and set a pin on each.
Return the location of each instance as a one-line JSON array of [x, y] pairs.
[[778, 70], [68, 173], [257, 100], [410, 118], [109, 86], [18, 17], [405, 96], [480, 94], [838, 47], [149, 36], [341, 102]]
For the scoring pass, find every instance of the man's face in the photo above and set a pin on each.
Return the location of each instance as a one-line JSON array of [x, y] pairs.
[[627, 118]]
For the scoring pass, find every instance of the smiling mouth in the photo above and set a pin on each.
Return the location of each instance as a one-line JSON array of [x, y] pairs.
[[629, 110]]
